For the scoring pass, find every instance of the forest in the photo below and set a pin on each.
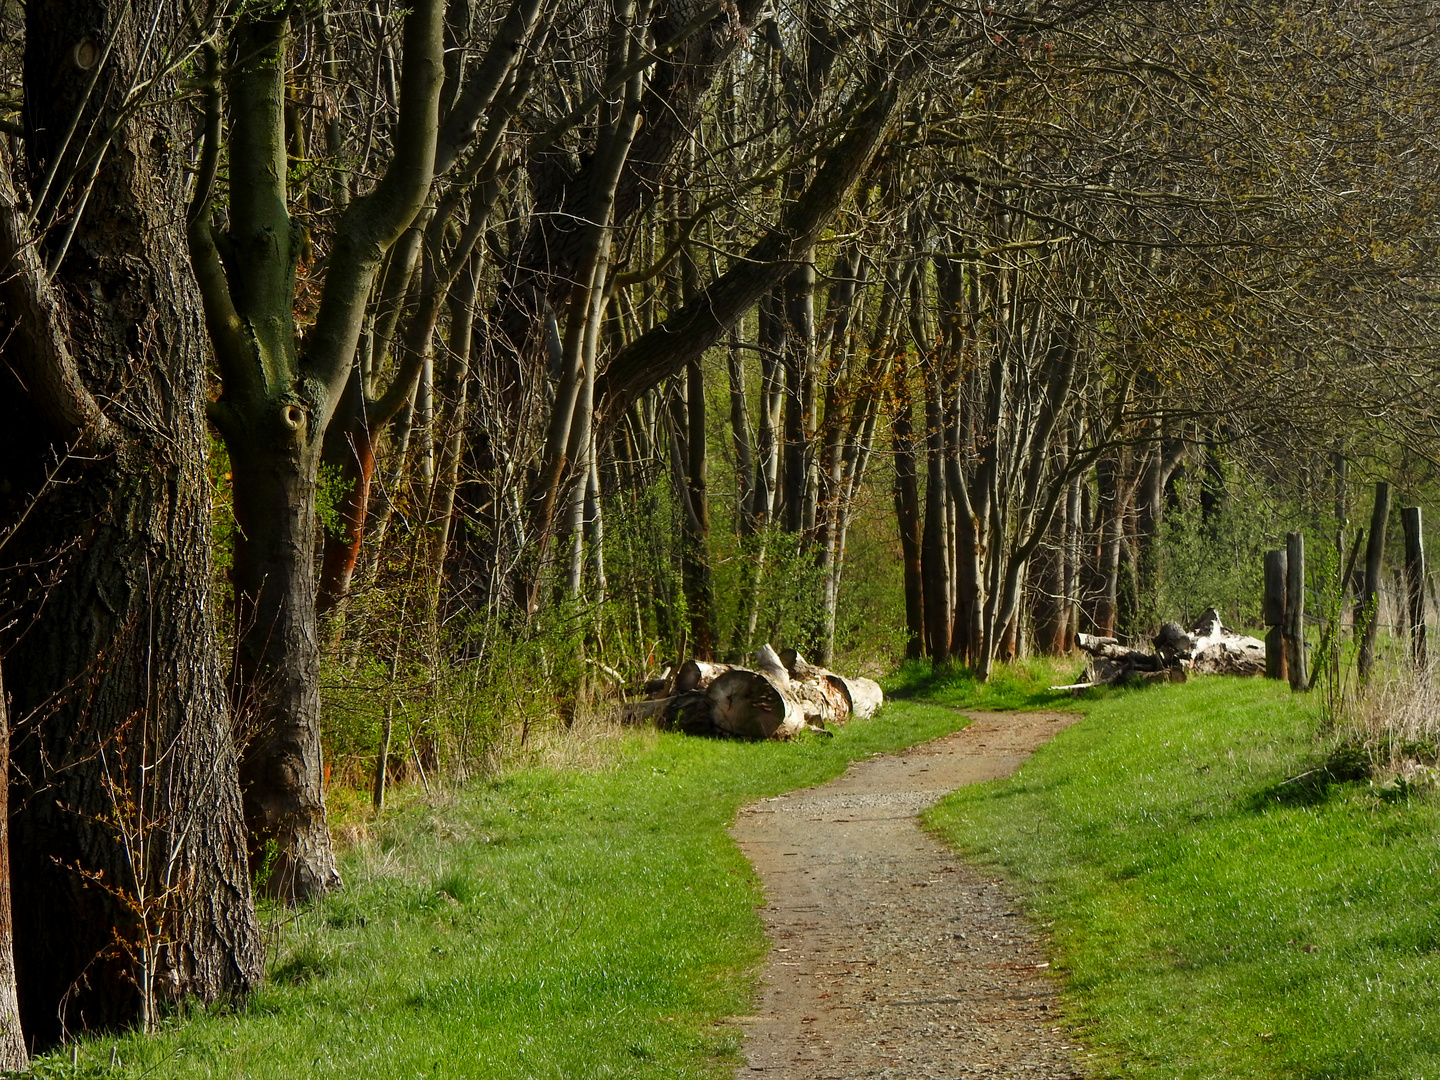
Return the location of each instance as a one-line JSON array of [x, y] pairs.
[[383, 385]]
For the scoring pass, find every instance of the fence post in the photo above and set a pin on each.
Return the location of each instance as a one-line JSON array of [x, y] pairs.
[[1415, 580], [1295, 611], [1374, 558], [1275, 614]]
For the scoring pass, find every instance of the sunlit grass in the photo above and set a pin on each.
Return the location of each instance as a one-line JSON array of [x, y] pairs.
[[587, 921], [1210, 918]]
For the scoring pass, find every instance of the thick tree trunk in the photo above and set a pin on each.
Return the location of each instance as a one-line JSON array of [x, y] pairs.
[[126, 842], [276, 686]]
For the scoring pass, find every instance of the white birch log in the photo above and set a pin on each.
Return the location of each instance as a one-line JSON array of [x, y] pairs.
[[866, 697]]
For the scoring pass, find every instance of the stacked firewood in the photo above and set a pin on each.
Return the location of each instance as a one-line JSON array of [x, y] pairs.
[[780, 697], [1206, 648]]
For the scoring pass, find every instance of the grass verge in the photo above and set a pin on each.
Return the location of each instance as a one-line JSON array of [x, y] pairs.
[[1223, 903], [557, 923]]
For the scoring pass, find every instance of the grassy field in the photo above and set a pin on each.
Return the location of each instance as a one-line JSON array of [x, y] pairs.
[[1212, 919], [1222, 902], [557, 923]]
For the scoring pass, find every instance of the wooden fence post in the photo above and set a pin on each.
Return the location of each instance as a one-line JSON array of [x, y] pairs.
[[1415, 580], [1275, 614], [1295, 611], [1374, 560]]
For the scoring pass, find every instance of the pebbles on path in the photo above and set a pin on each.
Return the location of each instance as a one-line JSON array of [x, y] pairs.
[[891, 958]]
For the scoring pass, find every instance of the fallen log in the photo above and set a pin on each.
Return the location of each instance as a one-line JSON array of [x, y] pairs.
[[862, 697], [866, 697], [1111, 662], [1218, 650], [1206, 648], [754, 705], [765, 703], [697, 675]]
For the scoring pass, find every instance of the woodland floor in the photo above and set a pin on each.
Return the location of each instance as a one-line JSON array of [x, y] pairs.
[[892, 958]]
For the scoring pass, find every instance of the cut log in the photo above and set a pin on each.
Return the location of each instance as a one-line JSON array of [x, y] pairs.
[[755, 704], [1218, 650], [697, 675], [689, 712], [866, 697], [863, 697], [658, 687], [767, 663], [798, 667], [822, 700]]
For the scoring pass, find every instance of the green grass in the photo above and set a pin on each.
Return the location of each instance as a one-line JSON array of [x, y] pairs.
[[553, 924], [1022, 685], [1211, 919]]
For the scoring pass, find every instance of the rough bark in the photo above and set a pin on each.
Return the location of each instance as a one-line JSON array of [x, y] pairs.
[[13, 1056], [126, 840]]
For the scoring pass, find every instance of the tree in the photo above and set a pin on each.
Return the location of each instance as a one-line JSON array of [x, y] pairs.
[[129, 881], [278, 394]]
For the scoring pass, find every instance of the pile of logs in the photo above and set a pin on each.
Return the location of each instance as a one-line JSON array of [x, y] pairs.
[[1207, 648], [782, 696]]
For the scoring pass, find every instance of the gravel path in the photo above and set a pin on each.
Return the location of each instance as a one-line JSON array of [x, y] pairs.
[[891, 957]]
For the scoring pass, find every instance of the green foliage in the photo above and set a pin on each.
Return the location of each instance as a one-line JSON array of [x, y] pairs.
[[1023, 685], [468, 713], [1203, 929], [331, 490], [1216, 559]]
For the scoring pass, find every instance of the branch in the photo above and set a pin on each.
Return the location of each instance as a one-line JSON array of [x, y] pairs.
[[46, 365], [221, 319], [685, 335], [373, 223]]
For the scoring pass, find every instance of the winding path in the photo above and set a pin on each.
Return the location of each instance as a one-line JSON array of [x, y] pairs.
[[891, 957]]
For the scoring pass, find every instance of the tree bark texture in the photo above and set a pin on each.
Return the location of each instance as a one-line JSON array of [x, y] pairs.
[[1410, 519], [126, 839], [1374, 565], [276, 404], [13, 1056], [277, 663]]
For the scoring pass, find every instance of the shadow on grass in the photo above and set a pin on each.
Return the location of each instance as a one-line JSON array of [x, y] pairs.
[[1346, 764]]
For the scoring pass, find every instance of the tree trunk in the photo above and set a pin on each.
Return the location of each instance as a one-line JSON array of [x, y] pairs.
[[1112, 511], [907, 508], [934, 549], [1374, 565], [1050, 616], [125, 838], [276, 688], [13, 1057]]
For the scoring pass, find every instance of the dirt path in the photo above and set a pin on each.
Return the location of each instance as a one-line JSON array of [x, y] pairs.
[[892, 958]]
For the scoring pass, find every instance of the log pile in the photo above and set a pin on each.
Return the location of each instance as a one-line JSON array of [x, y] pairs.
[[1207, 648], [780, 697]]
